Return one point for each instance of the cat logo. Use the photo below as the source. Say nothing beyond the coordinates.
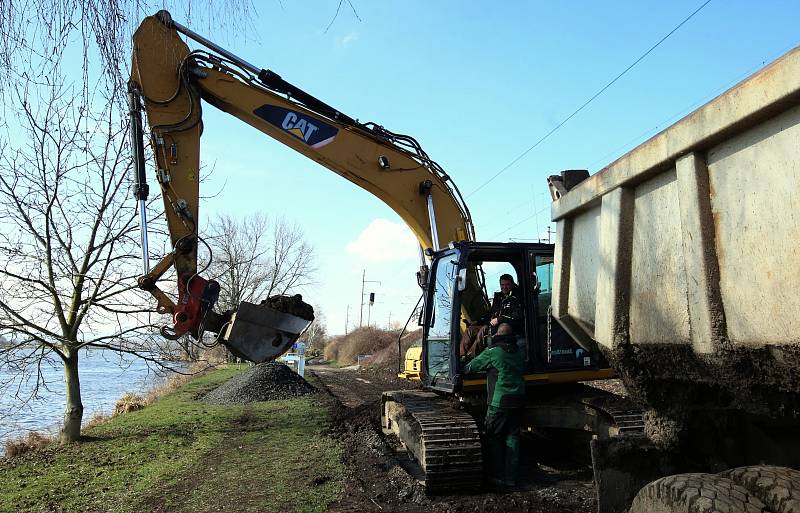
(311, 131)
(298, 127)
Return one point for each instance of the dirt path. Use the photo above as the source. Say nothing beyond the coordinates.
(378, 481)
(355, 387)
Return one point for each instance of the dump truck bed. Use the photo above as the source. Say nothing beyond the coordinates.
(682, 258)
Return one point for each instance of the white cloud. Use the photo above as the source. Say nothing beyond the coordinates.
(347, 40)
(384, 241)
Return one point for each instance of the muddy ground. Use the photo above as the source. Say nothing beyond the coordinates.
(379, 475)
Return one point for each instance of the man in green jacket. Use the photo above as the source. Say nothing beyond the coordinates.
(504, 364)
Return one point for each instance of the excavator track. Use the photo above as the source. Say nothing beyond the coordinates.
(444, 441)
(627, 418)
(629, 421)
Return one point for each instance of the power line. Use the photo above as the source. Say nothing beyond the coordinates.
(690, 108)
(527, 202)
(590, 100)
(535, 214)
(520, 222)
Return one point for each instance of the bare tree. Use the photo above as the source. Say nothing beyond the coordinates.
(68, 234)
(69, 239)
(336, 14)
(292, 264)
(239, 250)
(254, 258)
(103, 30)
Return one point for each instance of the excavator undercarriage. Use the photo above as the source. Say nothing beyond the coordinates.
(443, 434)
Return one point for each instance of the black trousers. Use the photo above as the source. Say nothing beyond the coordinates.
(502, 441)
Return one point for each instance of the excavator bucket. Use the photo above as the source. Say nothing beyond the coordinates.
(260, 333)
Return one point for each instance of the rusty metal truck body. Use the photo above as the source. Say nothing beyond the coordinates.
(681, 261)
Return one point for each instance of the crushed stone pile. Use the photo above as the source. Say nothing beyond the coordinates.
(292, 305)
(269, 381)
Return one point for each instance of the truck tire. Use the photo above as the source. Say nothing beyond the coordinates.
(695, 493)
(777, 487)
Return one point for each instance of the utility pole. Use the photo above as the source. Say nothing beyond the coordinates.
(361, 315)
(363, 281)
(346, 319)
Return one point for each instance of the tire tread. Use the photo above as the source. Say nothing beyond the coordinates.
(777, 487)
(696, 493)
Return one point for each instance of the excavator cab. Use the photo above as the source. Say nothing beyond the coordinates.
(445, 441)
(461, 283)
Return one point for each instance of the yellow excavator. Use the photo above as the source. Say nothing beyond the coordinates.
(170, 82)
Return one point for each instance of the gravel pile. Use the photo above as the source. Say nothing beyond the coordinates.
(269, 381)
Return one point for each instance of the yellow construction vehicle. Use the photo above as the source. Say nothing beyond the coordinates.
(170, 82)
(412, 364)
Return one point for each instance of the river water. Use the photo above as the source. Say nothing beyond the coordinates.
(105, 376)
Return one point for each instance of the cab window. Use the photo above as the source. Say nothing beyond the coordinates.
(441, 317)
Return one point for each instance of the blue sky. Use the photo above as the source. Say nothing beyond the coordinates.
(476, 83)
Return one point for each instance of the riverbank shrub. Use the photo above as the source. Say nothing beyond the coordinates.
(331, 351)
(379, 343)
(23, 445)
(345, 349)
(386, 357)
(129, 402)
(96, 419)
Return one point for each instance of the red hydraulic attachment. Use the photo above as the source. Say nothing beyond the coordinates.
(196, 296)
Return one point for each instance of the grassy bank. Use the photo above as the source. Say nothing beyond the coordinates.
(186, 456)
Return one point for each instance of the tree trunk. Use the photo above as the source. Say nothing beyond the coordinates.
(73, 413)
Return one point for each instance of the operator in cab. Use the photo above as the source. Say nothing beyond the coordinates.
(504, 364)
(506, 308)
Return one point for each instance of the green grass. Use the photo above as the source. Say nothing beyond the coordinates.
(186, 456)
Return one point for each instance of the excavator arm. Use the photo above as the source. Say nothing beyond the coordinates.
(169, 81)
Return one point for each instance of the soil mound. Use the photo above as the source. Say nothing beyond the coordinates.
(292, 305)
(269, 381)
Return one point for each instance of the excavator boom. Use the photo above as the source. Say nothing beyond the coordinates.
(169, 82)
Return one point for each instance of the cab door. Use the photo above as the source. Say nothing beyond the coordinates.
(555, 348)
(441, 331)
